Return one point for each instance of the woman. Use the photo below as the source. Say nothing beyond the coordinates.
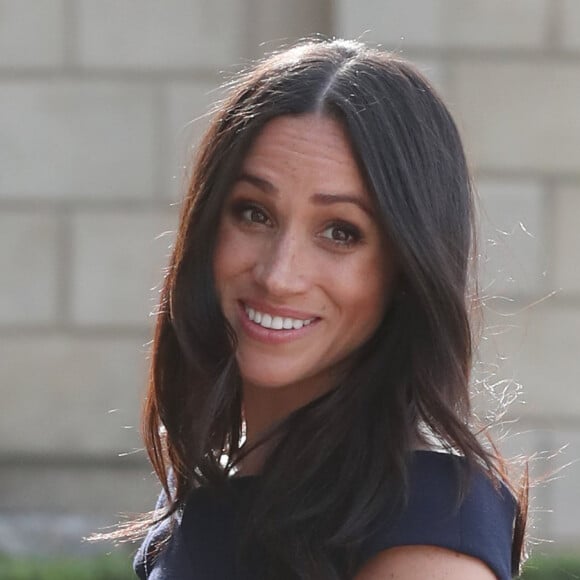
(308, 412)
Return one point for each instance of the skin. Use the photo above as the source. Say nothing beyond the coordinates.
(298, 232)
(413, 562)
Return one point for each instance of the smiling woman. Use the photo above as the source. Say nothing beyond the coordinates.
(300, 263)
(308, 412)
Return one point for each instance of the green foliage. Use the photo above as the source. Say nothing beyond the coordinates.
(556, 567)
(114, 566)
(117, 566)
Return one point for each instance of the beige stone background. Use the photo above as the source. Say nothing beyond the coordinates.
(100, 102)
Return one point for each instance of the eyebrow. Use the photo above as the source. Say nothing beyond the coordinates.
(317, 198)
(331, 198)
(258, 182)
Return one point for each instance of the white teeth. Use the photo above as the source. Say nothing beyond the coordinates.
(276, 322)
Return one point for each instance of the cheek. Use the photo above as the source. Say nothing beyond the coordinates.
(364, 291)
(222, 260)
(234, 254)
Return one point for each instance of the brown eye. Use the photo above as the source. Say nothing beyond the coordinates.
(251, 214)
(342, 234)
(256, 215)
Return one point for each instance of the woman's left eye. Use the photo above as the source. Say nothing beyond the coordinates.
(342, 234)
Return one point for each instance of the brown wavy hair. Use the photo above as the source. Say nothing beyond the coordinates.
(414, 373)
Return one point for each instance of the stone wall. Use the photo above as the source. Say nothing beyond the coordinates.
(100, 103)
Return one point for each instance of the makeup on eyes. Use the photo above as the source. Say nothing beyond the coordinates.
(252, 213)
(352, 232)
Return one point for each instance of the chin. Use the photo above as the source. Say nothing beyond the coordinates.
(267, 380)
(268, 374)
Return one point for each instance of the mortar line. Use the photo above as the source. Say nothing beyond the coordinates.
(88, 204)
(106, 75)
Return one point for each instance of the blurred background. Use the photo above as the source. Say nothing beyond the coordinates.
(101, 104)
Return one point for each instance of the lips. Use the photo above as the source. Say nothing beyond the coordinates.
(274, 325)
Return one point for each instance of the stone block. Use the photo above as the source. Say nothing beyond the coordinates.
(551, 454)
(529, 442)
(527, 445)
(65, 139)
(275, 23)
(571, 24)
(533, 349)
(71, 395)
(565, 521)
(567, 240)
(31, 33)
(519, 116)
(102, 490)
(149, 34)
(401, 24)
(118, 261)
(434, 70)
(392, 22)
(25, 534)
(189, 110)
(512, 243)
(28, 262)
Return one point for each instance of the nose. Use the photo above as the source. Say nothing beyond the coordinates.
(280, 267)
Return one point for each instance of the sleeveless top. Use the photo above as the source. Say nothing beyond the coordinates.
(201, 543)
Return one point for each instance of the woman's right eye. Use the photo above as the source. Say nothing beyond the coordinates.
(252, 213)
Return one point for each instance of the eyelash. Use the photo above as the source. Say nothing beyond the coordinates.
(353, 234)
(240, 208)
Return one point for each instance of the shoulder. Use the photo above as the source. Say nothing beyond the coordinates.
(411, 563)
(478, 526)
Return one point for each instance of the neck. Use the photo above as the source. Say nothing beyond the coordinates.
(264, 408)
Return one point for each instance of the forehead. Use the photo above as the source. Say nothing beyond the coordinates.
(309, 146)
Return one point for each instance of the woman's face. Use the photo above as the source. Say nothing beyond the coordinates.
(301, 268)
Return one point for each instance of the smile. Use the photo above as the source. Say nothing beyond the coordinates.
(275, 322)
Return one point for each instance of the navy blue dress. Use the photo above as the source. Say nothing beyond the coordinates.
(202, 545)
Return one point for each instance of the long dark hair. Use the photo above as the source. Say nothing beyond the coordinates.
(413, 375)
